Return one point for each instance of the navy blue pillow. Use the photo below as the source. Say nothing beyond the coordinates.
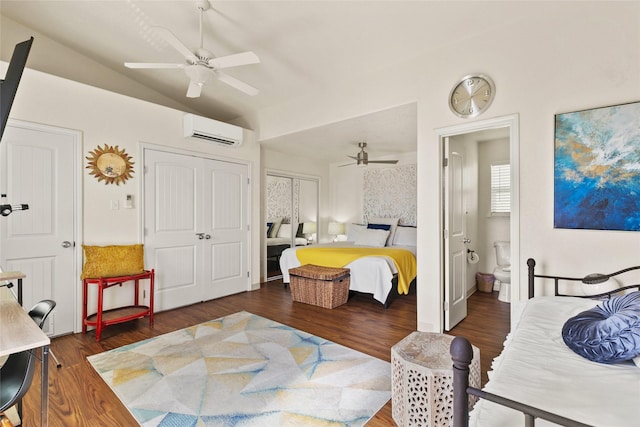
(269, 226)
(379, 226)
(607, 333)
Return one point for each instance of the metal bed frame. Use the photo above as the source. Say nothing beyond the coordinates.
(462, 354)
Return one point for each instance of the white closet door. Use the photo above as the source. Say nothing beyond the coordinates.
(195, 227)
(225, 244)
(171, 199)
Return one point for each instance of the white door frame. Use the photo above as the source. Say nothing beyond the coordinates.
(77, 163)
(511, 122)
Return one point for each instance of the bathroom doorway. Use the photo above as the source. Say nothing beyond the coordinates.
(469, 221)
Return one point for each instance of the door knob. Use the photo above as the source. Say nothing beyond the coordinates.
(466, 240)
(207, 236)
(200, 235)
(67, 244)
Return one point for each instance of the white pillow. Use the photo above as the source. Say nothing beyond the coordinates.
(636, 360)
(353, 230)
(393, 222)
(406, 236)
(275, 227)
(371, 237)
(285, 231)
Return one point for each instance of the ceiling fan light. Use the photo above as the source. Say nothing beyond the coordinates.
(198, 74)
(194, 90)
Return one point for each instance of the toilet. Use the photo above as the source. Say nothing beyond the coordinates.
(502, 272)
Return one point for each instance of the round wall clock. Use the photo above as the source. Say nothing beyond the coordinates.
(110, 164)
(472, 95)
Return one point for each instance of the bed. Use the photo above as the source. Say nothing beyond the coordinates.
(538, 376)
(279, 238)
(277, 245)
(375, 272)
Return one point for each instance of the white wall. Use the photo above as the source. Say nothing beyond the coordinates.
(347, 184)
(346, 193)
(108, 118)
(308, 201)
(558, 57)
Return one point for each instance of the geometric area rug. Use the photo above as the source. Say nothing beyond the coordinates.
(244, 370)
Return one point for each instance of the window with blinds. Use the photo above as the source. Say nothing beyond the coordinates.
(500, 189)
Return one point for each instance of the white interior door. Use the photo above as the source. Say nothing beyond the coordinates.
(225, 251)
(195, 215)
(171, 216)
(455, 239)
(37, 169)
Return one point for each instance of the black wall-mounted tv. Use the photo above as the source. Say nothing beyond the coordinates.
(9, 86)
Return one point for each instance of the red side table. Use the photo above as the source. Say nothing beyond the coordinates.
(104, 318)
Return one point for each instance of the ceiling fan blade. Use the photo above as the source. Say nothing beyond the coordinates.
(348, 164)
(353, 157)
(157, 65)
(235, 60)
(238, 84)
(170, 38)
(388, 162)
(194, 91)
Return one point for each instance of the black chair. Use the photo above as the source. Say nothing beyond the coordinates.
(39, 314)
(15, 378)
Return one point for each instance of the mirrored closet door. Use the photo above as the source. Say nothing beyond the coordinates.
(291, 214)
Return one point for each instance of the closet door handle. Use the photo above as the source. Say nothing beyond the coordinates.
(207, 236)
(200, 236)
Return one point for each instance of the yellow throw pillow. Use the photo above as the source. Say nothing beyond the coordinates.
(112, 261)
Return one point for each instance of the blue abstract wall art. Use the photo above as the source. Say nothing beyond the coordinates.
(597, 169)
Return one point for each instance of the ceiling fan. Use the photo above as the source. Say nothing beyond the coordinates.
(200, 64)
(362, 158)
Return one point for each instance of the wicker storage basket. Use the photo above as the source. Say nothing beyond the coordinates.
(326, 287)
(485, 282)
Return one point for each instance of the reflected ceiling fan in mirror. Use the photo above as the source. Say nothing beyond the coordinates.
(362, 158)
(200, 64)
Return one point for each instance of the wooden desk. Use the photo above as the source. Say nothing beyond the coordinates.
(18, 332)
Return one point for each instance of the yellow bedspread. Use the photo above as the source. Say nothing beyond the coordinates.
(335, 257)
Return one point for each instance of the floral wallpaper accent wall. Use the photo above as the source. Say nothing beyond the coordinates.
(279, 198)
(391, 193)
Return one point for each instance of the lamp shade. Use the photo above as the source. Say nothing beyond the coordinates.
(308, 228)
(336, 228)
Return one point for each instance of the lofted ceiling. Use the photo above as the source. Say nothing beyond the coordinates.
(301, 45)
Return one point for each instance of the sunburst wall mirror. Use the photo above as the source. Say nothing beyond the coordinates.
(110, 164)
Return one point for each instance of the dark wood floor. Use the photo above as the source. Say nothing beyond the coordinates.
(78, 397)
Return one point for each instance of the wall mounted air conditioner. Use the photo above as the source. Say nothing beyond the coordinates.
(212, 130)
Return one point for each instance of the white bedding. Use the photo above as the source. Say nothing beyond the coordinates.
(372, 274)
(275, 241)
(538, 369)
